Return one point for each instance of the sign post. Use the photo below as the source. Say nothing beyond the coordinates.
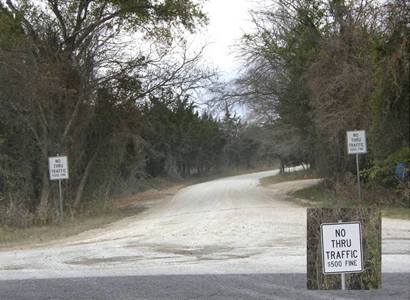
(341, 245)
(58, 169)
(60, 193)
(343, 276)
(359, 190)
(356, 144)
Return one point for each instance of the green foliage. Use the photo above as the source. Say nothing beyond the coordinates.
(179, 141)
(11, 33)
(383, 171)
(390, 101)
(172, 12)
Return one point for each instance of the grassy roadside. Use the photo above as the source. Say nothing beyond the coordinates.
(103, 213)
(322, 196)
(20, 237)
(297, 175)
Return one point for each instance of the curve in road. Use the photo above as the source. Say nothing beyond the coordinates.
(227, 226)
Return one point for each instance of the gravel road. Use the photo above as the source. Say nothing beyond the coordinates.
(227, 226)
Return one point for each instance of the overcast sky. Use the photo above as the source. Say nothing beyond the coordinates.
(228, 20)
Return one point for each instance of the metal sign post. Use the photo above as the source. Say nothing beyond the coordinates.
(58, 169)
(343, 276)
(60, 191)
(358, 177)
(356, 144)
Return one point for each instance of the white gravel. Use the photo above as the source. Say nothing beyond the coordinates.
(225, 226)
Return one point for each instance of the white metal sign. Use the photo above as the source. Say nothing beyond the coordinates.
(341, 248)
(356, 142)
(58, 167)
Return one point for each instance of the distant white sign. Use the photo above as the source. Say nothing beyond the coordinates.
(341, 248)
(356, 142)
(58, 167)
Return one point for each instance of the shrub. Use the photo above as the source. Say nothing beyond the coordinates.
(383, 172)
(16, 215)
(382, 175)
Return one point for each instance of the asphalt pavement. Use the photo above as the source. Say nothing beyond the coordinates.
(244, 286)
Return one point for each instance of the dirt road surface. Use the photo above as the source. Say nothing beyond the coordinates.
(227, 226)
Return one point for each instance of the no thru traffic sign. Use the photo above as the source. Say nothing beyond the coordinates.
(58, 167)
(356, 142)
(341, 248)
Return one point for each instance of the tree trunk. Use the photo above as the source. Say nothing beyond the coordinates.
(84, 178)
(172, 168)
(42, 209)
(282, 166)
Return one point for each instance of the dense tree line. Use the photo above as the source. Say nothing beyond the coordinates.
(69, 86)
(108, 84)
(316, 69)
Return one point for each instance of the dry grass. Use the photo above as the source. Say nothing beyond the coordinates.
(396, 213)
(344, 196)
(21, 237)
(297, 175)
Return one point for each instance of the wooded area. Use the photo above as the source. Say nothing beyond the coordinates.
(110, 84)
(316, 69)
